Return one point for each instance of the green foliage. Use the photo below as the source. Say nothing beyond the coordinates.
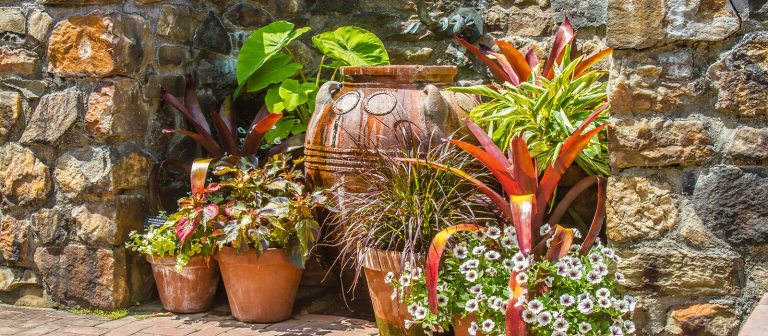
(112, 315)
(352, 46)
(262, 45)
(266, 207)
(545, 112)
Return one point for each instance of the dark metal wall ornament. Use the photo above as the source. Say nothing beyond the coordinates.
(464, 22)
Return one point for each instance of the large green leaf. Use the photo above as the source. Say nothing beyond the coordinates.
(264, 44)
(294, 93)
(274, 70)
(352, 46)
(273, 101)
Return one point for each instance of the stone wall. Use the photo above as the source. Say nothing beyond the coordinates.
(80, 121)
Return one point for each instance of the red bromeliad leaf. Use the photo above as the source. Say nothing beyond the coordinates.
(193, 105)
(516, 60)
(582, 68)
(515, 326)
(507, 67)
(497, 199)
(530, 58)
(206, 141)
(524, 171)
(497, 168)
(575, 191)
(436, 253)
(596, 113)
(257, 133)
(227, 114)
(563, 38)
(572, 146)
(228, 139)
(197, 175)
(495, 68)
(561, 243)
(487, 143)
(200, 127)
(597, 221)
(522, 214)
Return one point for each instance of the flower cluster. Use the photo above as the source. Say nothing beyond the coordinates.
(580, 298)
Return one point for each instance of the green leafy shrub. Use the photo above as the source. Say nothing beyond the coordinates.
(163, 241)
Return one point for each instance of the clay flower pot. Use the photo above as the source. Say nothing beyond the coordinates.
(260, 289)
(190, 291)
(390, 313)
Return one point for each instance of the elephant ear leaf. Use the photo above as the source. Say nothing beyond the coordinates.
(352, 46)
(262, 45)
(274, 70)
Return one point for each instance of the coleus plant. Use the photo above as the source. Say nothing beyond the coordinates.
(522, 203)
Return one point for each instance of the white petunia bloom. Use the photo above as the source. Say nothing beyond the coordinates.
(476, 289)
(595, 258)
(577, 233)
(603, 293)
(616, 331)
(629, 326)
(412, 309)
(471, 275)
(609, 252)
(492, 255)
(416, 273)
(585, 327)
(472, 330)
(493, 232)
(488, 325)
(604, 303)
(600, 267)
(521, 278)
(567, 300)
(508, 264)
(583, 296)
(509, 242)
(544, 229)
(478, 250)
(586, 306)
(574, 274)
(548, 281)
(389, 277)
(405, 280)
(631, 301)
(544, 318)
(561, 268)
(621, 305)
(490, 271)
(420, 313)
(619, 276)
(528, 316)
(471, 305)
(460, 251)
(559, 333)
(471, 263)
(535, 306)
(520, 267)
(442, 300)
(561, 324)
(594, 277)
(408, 324)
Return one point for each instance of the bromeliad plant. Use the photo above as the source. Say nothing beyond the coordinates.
(266, 62)
(543, 103)
(522, 203)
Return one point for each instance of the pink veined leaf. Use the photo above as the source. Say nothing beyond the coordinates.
(434, 255)
(496, 70)
(531, 59)
(210, 211)
(598, 220)
(563, 38)
(522, 215)
(515, 326)
(184, 228)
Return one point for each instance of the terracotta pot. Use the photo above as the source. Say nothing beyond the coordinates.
(368, 110)
(461, 325)
(190, 291)
(390, 314)
(261, 288)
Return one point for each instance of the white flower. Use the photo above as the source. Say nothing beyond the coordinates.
(519, 258)
(508, 242)
(492, 255)
(490, 271)
(600, 267)
(442, 300)
(478, 250)
(405, 280)
(566, 300)
(595, 258)
(509, 230)
(574, 248)
(560, 324)
(476, 289)
(621, 305)
(528, 316)
(460, 251)
(544, 318)
(471, 263)
(408, 324)
(416, 273)
(488, 325)
(389, 277)
(594, 277)
(503, 305)
(471, 275)
(471, 305)
(629, 326)
(585, 306)
(520, 267)
(609, 252)
(493, 232)
(616, 331)
(472, 330)
(584, 327)
(577, 233)
(412, 309)
(583, 296)
(420, 313)
(521, 278)
(603, 293)
(535, 306)
(574, 274)
(559, 333)
(508, 264)
(548, 281)
(562, 268)
(604, 303)
(394, 294)
(619, 276)
(631, 301)
(544, 229)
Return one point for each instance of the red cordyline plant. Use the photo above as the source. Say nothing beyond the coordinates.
(522, 203)
(509, 64)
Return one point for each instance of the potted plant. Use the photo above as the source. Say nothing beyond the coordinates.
(185, 274)
(264, 231)
(387, 228)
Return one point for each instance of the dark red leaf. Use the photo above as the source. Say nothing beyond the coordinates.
(257, 132)
(495, 68)
(516, 60)
(598, 220)
(563, 38)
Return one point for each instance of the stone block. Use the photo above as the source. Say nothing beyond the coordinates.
(740, 77)
(79, 275)
(590, 13)
(634, 24)
(12, 20)
(730, 201)
(640, 208)
(17, 62)
(749, 143)
(702, 319)
(14, 241)
(54, 115)
(115, 111)
(211, 35)
(169, 55)
(81, 2)
(24, 179)
(49, 227)
(658, 142)
(100, 170)
(39, 24)
(108, 222)
(99, 45)
(176, 23)
(10, 108)
(12, 278)
(673, 271)
(247, 15)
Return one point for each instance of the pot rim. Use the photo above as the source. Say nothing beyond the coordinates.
(197, 260)
(401, 73)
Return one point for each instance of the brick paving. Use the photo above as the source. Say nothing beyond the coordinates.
(37, 321)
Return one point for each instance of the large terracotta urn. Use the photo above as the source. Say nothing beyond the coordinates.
(369, 110)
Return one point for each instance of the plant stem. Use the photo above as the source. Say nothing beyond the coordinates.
(319, 70)
(301, 72)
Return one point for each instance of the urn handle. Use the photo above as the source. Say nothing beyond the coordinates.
(435, 107)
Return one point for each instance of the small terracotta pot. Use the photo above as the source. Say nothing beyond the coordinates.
(260, 289)
(190, 291)
(461, 325)
(390, 313)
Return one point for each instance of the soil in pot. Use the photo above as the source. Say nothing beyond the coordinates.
(260, 289)
(190, 291)
(390, 314)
